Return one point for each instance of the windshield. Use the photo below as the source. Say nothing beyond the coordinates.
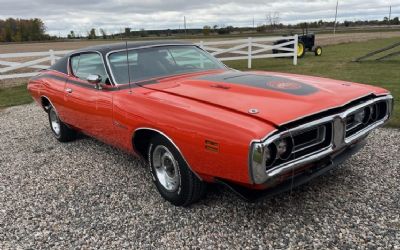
(159, 62)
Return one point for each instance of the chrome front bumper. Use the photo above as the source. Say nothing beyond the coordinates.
(320, 167)
(339, 142)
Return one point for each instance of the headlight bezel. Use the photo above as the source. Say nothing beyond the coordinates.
(259, 165)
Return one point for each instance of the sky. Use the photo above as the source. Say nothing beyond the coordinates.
(114, 15)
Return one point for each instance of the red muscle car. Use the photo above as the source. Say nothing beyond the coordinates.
(197, 121)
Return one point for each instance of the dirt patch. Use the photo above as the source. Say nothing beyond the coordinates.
(32, 47)
(329, 39)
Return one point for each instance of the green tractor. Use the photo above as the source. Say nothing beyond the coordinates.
(306, 43)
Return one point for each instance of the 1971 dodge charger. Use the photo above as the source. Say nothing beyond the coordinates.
(197, 121)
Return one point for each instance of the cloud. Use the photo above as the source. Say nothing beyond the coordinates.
(113, 15)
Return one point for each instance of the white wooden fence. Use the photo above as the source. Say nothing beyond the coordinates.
(252, 48)
(227, 50)
(47, 56)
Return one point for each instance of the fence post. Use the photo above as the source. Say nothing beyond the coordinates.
(52, 57)
(295, 46)
(249, 52)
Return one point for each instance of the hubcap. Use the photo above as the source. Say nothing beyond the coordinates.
(166, 168)
(55, 122)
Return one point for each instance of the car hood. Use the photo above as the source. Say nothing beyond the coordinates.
(277, 98)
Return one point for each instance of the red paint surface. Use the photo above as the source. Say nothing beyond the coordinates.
(190, 111)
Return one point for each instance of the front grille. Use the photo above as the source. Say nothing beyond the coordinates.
(325, 134)
(365, 117)
(312, 140)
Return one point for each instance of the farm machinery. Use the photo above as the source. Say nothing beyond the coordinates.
(306, 43)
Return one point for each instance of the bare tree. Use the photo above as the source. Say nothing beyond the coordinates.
(103, 33)
(273, 19)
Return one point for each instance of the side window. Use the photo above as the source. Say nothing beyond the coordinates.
(119, 66)
(87, 64)
(191, 58)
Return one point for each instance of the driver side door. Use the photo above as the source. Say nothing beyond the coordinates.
(82, 98)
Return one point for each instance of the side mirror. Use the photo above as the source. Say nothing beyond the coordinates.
(94, 79)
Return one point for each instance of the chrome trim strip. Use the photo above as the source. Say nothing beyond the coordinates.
(300, 161)
(342, 142)
(170, 140)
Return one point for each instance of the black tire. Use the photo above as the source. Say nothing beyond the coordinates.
(301, 49)
(63, 133)
(318, 51)
(189, 189)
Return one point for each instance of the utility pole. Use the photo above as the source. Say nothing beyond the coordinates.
(334, 26)
(390, 13)
(253, 22)
(184, 24)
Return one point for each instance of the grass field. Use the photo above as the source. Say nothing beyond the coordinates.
(14, 96)
(336, 63)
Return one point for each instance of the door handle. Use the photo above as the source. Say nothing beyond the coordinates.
(68, 90)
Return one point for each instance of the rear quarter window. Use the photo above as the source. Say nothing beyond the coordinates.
(61, 65)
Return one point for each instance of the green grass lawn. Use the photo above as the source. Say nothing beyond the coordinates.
(336, 62)
(14, 96)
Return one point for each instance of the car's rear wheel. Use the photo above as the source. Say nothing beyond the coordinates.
(174, 180)
(60, 130)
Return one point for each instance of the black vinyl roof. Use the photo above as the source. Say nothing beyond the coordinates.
(61, 64)
(105, 48)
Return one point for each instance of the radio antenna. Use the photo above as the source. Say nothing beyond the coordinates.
(127, 63)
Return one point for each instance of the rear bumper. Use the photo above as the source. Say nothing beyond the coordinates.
(289, 182)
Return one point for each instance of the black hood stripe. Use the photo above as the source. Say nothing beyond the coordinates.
(262, 81)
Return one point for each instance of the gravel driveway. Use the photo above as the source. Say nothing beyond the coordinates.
(86, 194)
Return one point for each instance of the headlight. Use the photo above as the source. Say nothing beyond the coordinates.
(284, 148)
(374, 112)
(360, 116)
(263, 157)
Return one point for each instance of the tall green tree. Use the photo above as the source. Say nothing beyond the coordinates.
(20, 30)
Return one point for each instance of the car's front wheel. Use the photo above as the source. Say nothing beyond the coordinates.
(60, 130)
(174, 180)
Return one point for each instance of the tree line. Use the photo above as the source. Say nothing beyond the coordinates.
(21, 30)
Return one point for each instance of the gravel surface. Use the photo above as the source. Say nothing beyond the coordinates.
(86, 194)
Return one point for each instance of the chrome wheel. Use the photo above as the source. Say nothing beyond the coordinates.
(166, 168)
(55, 122)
